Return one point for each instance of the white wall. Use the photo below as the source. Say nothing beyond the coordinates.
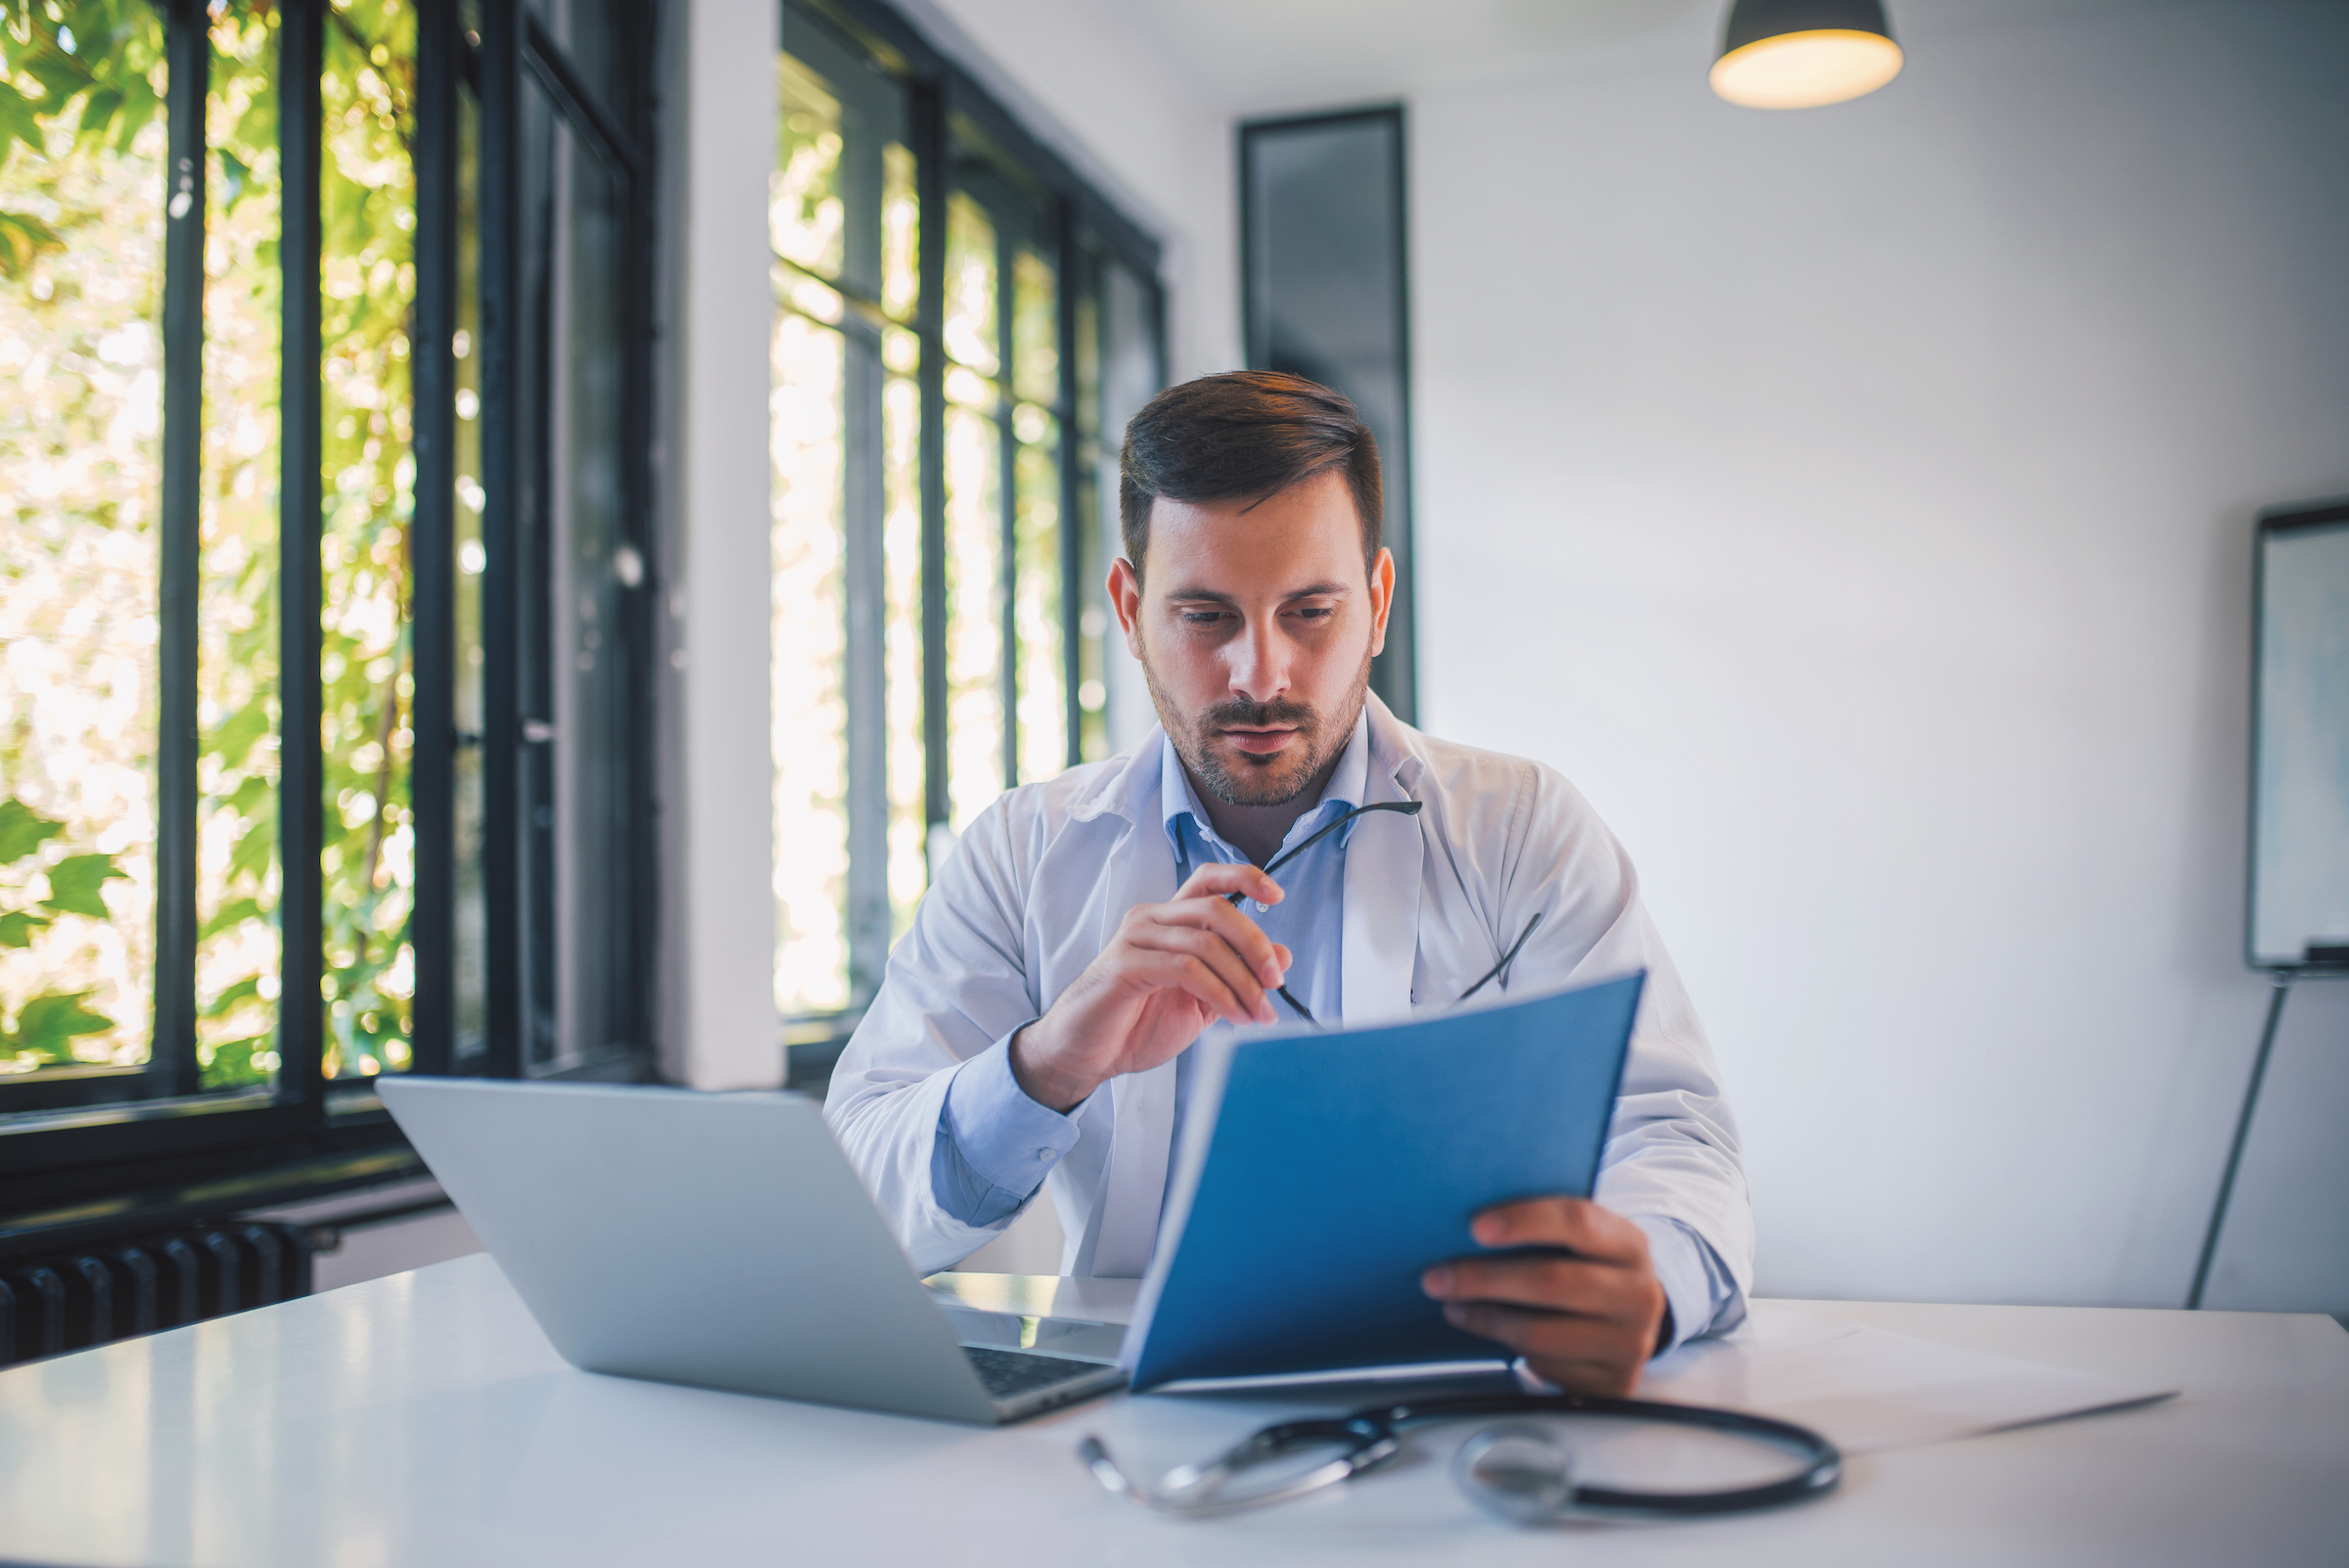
(716, 136)
(1854, 504)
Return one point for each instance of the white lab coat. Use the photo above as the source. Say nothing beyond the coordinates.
(1039, 883)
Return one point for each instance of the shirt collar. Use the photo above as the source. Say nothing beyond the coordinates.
(1346, 787)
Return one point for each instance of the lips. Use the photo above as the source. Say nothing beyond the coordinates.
(1259, 742)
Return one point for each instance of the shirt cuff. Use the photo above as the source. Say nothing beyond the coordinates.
(994, 1144)
(1694, 1282)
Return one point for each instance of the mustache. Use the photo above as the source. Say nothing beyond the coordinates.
(1240, 713)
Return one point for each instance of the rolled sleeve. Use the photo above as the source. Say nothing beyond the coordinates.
(994, 1145)
(1704, 1298)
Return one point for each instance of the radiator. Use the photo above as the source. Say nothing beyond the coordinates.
(70, 1301)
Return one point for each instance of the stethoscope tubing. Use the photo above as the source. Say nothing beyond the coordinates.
(1822, 1468)
(1372, 1438)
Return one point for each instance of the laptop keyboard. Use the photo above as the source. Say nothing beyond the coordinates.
(1008, 1374)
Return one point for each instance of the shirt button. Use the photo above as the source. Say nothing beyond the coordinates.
(1260, 908)
(1043, 1154)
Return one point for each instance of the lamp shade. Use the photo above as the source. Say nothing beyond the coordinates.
(1800, 54)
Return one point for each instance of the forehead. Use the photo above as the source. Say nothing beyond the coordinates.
(1308, 534)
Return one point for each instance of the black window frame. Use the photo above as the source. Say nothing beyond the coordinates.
(1394, 672)
(80, 1158)
(954, 126)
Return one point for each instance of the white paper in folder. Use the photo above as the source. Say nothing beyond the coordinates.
(1870, 1389)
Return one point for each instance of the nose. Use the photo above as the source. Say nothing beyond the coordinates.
(1257, 661)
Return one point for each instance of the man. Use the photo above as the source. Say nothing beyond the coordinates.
(1033, 1027)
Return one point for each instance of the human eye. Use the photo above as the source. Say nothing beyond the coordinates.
(1201, 617)
(1313, 614)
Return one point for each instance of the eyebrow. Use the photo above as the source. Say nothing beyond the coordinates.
(1200, 595)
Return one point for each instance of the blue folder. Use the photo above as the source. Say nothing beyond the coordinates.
(1319, 1173)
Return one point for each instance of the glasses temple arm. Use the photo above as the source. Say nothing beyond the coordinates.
(1506, 958)
(1406, 808)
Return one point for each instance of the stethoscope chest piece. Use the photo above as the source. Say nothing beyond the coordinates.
(1517, 1471)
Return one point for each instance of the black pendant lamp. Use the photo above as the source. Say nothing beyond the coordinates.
(1800, 54)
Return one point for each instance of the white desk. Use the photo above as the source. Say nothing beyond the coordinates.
(422, 1419)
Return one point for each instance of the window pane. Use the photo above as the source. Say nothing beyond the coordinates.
(975, 772)
(583, 799)
(81, 238)
(808, 444)
(1037, 596)
(1092, 619)
(971, 275)
(901, 570)
(900, 234)
(1036, 599)
(1035, 328)
(368, 292)
(472, 559)
(237, 873)
(594, 37)
(805, 212)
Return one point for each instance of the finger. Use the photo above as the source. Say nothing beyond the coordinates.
(1244, 935)
(1177, 971)
(1569, 1285)
(1578, 1225)
(1574, 1353)
(1222, 879)
(1211, 949)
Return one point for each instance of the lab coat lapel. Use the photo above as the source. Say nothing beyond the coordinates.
(1140, 870)
(1383, 860)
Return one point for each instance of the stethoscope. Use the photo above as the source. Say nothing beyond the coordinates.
(1518, 1470)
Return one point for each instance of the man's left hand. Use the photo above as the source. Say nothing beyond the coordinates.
(1586, 1316)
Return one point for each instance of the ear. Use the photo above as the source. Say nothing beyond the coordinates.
(1382, 598)
(1126, 597)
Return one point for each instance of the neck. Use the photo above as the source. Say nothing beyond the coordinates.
(1257, 831)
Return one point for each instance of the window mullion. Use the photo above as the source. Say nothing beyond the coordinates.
(929, 128)
(1073, 525)
(171, 1065)
(1007, 484)
(500, 65)
(433, 781)
(300, 1029)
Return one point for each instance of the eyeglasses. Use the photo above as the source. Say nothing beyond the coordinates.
(1409, 809)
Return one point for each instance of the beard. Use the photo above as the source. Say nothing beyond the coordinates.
(1245, 778)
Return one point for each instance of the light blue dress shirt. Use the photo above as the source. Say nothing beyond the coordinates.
(996, 1145)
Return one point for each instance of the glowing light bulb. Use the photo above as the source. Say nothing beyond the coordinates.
(1804, 54)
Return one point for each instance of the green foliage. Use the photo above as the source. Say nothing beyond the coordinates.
(46, 1027)
(23, 830)
(117, 48)
(74, 881)
(80, 221)
(23, 240)
(367, 222)
(79, 82)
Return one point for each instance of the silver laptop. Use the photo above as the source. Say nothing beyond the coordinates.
(720, 1241)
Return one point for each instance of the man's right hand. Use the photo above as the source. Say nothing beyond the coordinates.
(1171, 970)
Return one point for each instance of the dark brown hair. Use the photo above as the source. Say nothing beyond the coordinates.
(1244, 434)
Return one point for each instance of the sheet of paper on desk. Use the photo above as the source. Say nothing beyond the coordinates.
(1869, 1389)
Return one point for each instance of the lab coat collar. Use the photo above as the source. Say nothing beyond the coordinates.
(1179, 798)
(1382, 878)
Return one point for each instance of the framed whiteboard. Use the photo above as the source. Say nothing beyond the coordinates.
(2299, 903)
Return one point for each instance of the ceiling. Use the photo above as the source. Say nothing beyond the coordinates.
(1262, 55)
